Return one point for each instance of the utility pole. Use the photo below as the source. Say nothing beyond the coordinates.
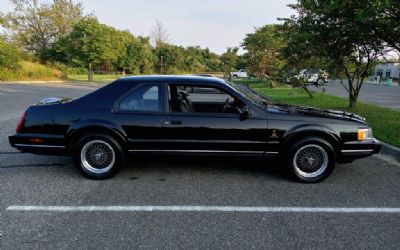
(162, 62)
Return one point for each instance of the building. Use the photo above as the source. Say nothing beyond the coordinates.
(388, 70)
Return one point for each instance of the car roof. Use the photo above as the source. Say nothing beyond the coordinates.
(173, 79)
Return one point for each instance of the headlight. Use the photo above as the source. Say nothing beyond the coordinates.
(364, 134)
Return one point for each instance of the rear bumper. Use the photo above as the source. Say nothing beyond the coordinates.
(355, 150)
(39, 144)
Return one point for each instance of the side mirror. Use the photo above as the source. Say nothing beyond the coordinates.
(245, 113)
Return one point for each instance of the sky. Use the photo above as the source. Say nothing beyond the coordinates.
(216, 24)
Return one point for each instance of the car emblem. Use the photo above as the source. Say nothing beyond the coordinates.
(274, 135)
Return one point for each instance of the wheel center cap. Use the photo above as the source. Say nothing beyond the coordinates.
(310, 160)
(98, 156)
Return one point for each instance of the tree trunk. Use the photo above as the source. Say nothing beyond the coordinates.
(353, 95)
(90, 72)
(271, 83)
(308, 92)
(123, 72)
(352, 100)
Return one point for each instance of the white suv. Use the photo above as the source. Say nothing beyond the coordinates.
(315, 76)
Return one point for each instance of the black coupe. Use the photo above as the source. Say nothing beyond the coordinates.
(190, 115)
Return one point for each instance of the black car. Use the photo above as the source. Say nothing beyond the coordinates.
(190, 115)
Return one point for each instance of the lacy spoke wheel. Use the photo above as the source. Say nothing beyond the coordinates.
(97, 156)
(310, 161)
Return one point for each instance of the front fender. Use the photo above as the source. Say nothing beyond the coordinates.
(320, 130)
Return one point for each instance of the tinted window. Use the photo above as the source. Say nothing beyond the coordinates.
(145, 98)
(201, 99)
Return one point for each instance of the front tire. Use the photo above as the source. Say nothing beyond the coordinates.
(311, 160)
(99, 156)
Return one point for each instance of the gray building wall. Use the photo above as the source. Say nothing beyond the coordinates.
(388, 70)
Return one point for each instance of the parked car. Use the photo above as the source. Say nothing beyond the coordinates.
(190, 115)
(315, 76)
(239, 74)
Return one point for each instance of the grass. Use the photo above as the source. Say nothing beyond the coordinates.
(29, 71)
(385, 122)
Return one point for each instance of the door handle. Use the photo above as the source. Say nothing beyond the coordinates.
(176, 122)
(173, 122)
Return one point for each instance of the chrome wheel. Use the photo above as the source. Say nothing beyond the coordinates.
(310, 161)
(97, 156)
(320, 82)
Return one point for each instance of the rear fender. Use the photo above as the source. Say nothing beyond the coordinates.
(82, 128)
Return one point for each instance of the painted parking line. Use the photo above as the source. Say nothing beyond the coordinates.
(376, 210)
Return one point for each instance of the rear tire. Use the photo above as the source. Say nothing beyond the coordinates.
(311, 160)
(320, 82)
(99, 156)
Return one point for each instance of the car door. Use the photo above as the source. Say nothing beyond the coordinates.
(140, 114)
(213, 132)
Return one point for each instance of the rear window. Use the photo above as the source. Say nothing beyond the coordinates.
(144, 99)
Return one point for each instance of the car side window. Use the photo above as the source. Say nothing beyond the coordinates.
(202, 99)
(145, 98)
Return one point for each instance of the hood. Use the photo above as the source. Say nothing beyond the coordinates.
(315, 112)
(54, 100)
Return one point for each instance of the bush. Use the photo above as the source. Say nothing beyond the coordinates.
(67, 70)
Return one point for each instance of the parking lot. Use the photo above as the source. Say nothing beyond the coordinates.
(381, 95)
(163, 203)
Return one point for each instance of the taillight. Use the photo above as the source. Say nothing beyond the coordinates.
(20, 123)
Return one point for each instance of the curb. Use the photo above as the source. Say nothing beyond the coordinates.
(393, 151)
(257, 93)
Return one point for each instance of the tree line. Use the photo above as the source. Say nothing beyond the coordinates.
(60, 32)
(344, 37)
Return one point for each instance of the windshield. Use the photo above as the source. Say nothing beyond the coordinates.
(245, 91)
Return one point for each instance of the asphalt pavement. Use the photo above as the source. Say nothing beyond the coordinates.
(164, 203)
(381, 95)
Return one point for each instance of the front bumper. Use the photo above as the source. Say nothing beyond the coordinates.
(355, 150)
(43, 144)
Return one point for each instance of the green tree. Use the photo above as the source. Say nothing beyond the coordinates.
(36, 26)
(136, 55)
(169, 59)
(197, 60)
(334, 31)
(91, 43)
(229, 60)
(147, 58)
(9, 55)
(382, 18)
(262, 48)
